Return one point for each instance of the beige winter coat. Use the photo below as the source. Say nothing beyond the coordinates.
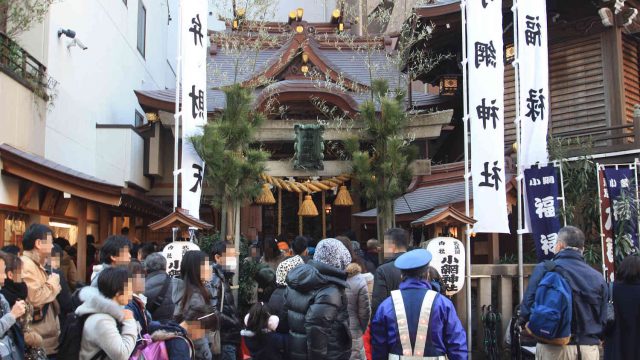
(43, 290)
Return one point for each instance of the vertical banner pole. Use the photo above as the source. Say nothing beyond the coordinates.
(635, 172)
(467, 175)
(176, 116)
(564, 208)
(176, 121)
(604, 267)
(519, 176)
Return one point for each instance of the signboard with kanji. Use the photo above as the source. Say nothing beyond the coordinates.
(449, 259)
(173, 253)
(309, 147)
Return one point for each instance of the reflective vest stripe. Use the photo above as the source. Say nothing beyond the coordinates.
(403, 325)
(423, 323)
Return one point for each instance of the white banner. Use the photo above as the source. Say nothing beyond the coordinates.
(486, 114)
(533, 63)
(194, 41)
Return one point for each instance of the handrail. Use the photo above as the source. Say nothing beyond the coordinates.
(22, 66)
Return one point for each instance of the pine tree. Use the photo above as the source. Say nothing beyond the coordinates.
(233, 166)
(380, 162)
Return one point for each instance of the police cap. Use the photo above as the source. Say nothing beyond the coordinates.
(413, 259)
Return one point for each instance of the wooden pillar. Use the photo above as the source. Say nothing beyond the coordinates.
(460, 301)
(612, 61)
(279, 212)
(82, 239)
(2, 217)
(105, 225)
(324, 217)
(355, 195)
(132, 228)
(300, 218)
(506, 302)
(484, 298)
(494, 248)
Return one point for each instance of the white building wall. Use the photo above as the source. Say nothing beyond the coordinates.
(95, 86)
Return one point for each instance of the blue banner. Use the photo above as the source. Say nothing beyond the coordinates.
(621, 181)
(541, 185)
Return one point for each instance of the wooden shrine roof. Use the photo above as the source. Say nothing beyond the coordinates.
(443, 214)
(179, 218)
(330, 61)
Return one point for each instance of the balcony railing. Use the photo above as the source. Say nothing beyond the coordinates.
(22, 67)
(613, 138)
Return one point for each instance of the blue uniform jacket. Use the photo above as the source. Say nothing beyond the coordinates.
(446, 335)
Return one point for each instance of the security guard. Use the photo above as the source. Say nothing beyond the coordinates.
(416, 322)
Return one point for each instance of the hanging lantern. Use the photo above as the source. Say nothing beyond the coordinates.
(448, 84)
(265, 197)
(343, 198)
(308, 208)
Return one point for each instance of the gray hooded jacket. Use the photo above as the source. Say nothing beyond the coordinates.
(100, 330)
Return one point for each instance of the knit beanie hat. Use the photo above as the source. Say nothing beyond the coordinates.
(284, 268)
(332, 252)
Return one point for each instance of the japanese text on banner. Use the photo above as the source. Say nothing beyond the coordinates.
(622, 195)
(486, 114)
(606, 228)
(533, 63)
(194, 42)
(541, 185)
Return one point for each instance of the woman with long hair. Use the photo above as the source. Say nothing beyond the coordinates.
(190, 292)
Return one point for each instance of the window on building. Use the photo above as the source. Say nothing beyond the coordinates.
(139, 119)
(142, 27)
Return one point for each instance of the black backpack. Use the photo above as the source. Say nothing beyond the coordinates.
(71, 337)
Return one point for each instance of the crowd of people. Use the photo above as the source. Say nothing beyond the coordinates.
(315, 300)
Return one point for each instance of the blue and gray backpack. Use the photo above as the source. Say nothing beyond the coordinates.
(551, 313)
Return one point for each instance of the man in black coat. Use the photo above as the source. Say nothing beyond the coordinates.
(387, 277)
(223, 255)
(316, 305)
(158, 288)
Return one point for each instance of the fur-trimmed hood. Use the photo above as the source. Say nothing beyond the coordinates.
(93, 302)
(353, 269)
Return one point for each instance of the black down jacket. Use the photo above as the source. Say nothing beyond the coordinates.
(316, 307)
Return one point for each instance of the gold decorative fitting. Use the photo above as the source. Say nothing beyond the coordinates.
(299, 29)
(266, 196)
(305, 58)
(304, 69)
(308, 207)
(343, 198)
(152, 116)
(299, 13)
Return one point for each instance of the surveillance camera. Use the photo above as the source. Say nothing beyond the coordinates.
(68, 33)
